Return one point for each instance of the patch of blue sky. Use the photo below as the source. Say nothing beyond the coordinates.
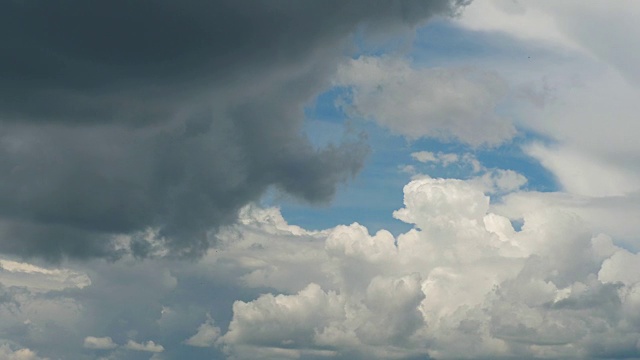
(376, 192)
(510, 156)
(442, 43)
(327, 108)
(371, 197)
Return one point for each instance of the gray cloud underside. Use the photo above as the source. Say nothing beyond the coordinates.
(120, 116)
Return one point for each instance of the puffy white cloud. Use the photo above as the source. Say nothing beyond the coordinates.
(431, 201)
(427, 102)
(463, 284)
(313, 320)
(100, 343)
(149, 346)
(206, 335)
(623, 267)
(264, 250)
(284, 319)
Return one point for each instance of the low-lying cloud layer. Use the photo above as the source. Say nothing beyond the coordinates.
(463, 283)
(121, 117)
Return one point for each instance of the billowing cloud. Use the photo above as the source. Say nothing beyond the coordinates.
(121, 117)
(464, 283)
(446, 103)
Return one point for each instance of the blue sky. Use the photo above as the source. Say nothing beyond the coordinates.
(376, 192)
(258, 180)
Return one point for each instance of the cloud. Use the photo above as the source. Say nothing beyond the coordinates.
(613, 215)
(36, 278)
(149, 346)
(446, 159)
(586, 104)
(489, 181)
(6, 296)
(585, 174)
(99, 343)
(568, 24)
(581, 90)
(306, 322)
(499, 181)
(424, 156)
(445, 103)
(463, 284)
(589, 156)
(7, 353)
(171, 121)
(206, 335)
(517, 18)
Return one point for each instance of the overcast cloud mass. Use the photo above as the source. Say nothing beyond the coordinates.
(119, 117)
(168, 168)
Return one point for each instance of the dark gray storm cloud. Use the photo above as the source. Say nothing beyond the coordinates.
(120, 116)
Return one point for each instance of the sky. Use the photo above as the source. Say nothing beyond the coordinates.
(340, 179)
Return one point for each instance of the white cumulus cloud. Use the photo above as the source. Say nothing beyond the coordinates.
(462, 284)
(99, 343)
